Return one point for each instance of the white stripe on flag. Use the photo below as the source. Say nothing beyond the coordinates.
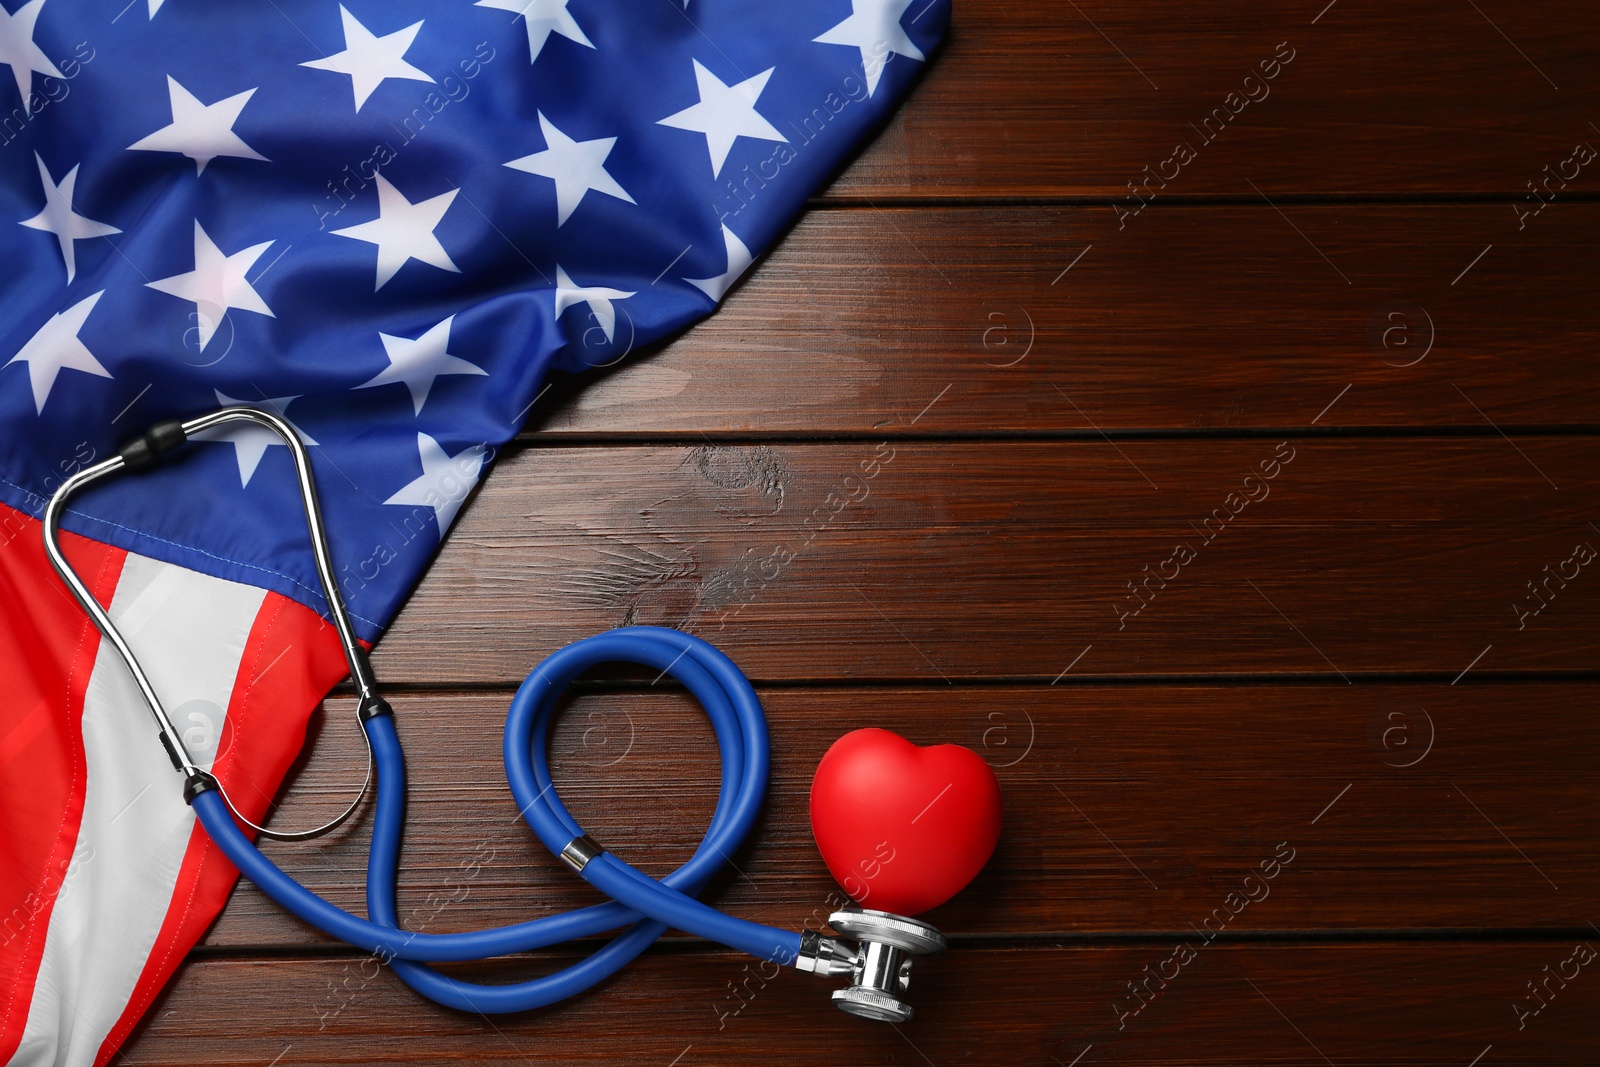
(189, 631)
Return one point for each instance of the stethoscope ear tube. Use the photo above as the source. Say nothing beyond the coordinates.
(143, 453)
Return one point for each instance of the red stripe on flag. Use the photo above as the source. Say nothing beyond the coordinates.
(291, 660)
(47, 651)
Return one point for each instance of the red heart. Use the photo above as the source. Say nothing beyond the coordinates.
(903, 828)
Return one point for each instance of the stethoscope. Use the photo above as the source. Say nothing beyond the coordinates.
(874, 948)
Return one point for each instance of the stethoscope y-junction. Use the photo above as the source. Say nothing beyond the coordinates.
(874, 948)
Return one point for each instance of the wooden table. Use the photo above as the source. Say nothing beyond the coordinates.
(1243, 517)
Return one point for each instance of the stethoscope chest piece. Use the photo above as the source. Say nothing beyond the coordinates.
(879, 966)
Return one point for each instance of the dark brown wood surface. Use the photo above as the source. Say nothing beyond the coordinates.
(911, 475)
(1281, 1003)
(1039, 98)
(1360, 557)
(1190, 317)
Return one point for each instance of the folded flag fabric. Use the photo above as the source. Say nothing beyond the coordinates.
(387, 222)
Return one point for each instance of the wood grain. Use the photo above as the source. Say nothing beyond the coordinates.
(1128, 808)
(942, 562)
(1303, 1003)
(1036, 98)
(1184, 318)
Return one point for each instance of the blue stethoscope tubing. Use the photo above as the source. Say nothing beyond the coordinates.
(645, 906)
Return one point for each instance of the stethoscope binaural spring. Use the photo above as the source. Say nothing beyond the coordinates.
(642, 907)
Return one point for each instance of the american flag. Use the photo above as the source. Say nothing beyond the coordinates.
(388, 222)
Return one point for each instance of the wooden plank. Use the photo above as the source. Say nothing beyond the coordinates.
(1027, 319)
(1128, 808)
(818, 561)
(1034, 98)
(1302, 1003)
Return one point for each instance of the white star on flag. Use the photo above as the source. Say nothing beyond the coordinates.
(55, 347)
(370, 60)
(249, 440)
(542, 18)
(403, 231)
(59, 218)
(445, 480)
(575, 167)
(216, 284)
(874, 28)
(739, 261)
(18, 51)
(725, 113)
(200, 131)
(598, 297)
(419, 362)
